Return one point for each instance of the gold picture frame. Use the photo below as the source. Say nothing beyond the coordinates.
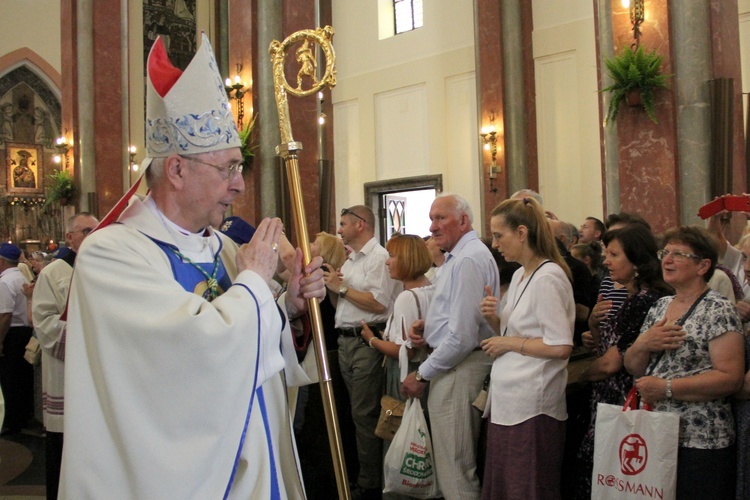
(25, 166)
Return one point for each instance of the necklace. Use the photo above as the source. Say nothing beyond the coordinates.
(213, 285)
(679, 312)
(211, 282)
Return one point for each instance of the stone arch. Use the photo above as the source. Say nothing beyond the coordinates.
(30, 114)
(25, 74)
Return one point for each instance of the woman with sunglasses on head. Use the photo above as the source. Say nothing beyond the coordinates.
(631, 258)
(688, 359)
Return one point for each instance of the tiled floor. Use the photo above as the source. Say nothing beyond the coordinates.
(29, 485)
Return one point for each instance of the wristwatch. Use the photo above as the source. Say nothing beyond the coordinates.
(419, 378)
(669, 388)
(343, 291)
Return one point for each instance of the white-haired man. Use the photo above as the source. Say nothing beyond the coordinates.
(175, 345)
(453, 328)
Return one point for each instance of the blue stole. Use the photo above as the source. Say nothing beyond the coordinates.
(193, 281)
(190, 278)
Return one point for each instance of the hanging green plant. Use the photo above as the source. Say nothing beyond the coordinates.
(247, 141)
(62, 187)
(636, 74)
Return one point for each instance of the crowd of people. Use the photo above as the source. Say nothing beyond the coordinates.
(688, 359)
(659, 322)
(171, 339)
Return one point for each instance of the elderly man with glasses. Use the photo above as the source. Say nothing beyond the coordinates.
(365, 294)
(178, 356)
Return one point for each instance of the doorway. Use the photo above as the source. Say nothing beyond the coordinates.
(402, 205)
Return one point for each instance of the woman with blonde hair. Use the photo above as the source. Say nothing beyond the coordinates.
(408, 261)
(315, 458)
(331, 249)
(526, 403)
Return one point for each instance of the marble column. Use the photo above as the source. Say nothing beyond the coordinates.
(304, 111)
(513, 96)
(69, 83)
(608, 134)
(269, 28)
(505, 81)
(690, 27)
(238, 28)
(106, 173)
(84, 143)
(648, 165)
(725, 63)
(490, 76)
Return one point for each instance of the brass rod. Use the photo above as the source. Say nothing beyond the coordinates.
(288, 150)
(324, 373)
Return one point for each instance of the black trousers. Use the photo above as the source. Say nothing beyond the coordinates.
(53, 456)
(17, 378)
(706, 473)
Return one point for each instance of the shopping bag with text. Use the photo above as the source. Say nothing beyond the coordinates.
(409, 467)
(635, 453)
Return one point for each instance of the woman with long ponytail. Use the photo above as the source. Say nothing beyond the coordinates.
(527, 391)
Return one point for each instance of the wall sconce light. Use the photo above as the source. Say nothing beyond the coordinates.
(131, 153)
(637, 16)
(62, 146)
(236, 90)
(489, 139)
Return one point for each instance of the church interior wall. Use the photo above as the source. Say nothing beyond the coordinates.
(570, 173)
(30, 118)
(744, 18)
(406, 105)
(35, 25)
(408, 102)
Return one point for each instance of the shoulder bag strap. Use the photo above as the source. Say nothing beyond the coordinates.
(505, 331)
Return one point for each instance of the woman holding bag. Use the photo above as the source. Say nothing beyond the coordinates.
(688, 359)
(631, 259)
(527, 389)
(408, 261)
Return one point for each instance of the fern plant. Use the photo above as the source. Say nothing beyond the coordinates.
(62, 187)
(247, 141)
(634, 71)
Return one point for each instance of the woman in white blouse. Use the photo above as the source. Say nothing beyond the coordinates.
(527, 390)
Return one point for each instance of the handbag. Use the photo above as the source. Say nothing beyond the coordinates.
(408, 465)
(635, 452)
(33, 352)
(391, 414)
(480, 403)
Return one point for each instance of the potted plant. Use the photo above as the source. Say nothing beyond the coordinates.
(62, 187)
(247, 141)
(636, 75)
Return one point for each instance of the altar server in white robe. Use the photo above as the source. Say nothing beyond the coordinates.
(177, 354)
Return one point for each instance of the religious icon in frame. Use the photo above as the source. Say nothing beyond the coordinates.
(25, 166)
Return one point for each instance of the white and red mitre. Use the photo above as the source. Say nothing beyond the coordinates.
(187, 112)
